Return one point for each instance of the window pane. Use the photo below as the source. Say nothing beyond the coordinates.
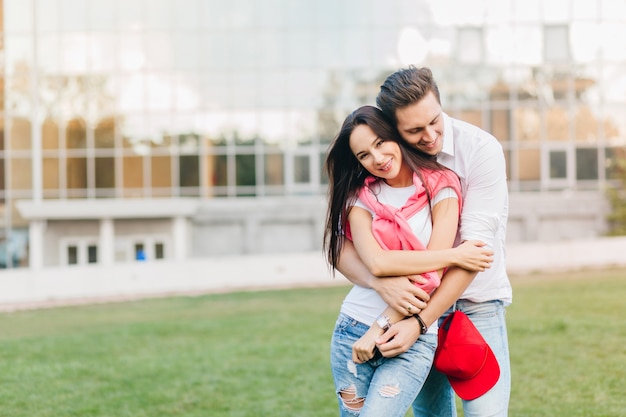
(471, 116)
(2, 180)
(556, 43)
(76, 134)
(557, 120)
(470, 45)
(104, 134)
(92, 254)
(76, 173)
(189, 171)
(105, 173)
(132, 167)
(615, 162)
(500, 124)
(324, 179)
(245, 165)
(20, 133)
(527, 124)
(529, 164)
(301, 169)
(159, 251)
(274, 173)
(72, 255)
(21, 168)
(50, 173)
(219, 175)
(161, 171)
(587, 164)
(50, 134)
(140, 253)
(558, 164)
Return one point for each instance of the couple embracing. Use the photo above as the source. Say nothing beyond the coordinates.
(417, 215)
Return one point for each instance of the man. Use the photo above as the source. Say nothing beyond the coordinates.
(410, 97)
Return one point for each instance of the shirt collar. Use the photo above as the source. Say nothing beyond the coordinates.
(448, 136)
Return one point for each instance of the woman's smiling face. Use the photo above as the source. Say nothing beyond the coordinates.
(380, 157)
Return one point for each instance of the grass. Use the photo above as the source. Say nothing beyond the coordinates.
(266, 353)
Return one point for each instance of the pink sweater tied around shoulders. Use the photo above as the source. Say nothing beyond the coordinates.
(389, 224)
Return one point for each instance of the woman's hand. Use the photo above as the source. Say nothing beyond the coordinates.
(363, 349)
(473, 256)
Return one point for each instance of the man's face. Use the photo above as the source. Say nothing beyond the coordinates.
(421, 124)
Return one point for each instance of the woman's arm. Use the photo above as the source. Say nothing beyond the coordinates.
(382, 262)
(445, 221)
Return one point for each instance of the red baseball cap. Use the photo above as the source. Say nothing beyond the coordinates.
(465, 358)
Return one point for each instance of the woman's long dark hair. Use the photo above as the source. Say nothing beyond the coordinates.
(346, 174)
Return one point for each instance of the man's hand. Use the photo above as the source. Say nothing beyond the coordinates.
(398, 338)
(400, 293)
(363, 349)
(473, 255)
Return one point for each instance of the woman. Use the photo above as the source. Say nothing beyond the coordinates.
(387, 198)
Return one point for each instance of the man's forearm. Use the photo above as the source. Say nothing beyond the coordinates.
(351, 267)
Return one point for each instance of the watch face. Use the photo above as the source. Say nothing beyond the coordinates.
(383, 322)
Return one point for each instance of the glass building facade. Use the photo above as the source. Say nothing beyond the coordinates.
(142, 99)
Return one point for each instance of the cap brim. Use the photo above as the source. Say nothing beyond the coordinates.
(483, 381)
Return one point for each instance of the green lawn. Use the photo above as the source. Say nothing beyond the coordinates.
(266, 353)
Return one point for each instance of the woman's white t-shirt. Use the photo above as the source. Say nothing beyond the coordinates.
(364, 304)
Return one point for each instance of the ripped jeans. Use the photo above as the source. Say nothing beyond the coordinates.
(381, 386)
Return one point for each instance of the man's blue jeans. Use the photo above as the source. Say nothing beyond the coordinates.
(437, 399)
(381, 386)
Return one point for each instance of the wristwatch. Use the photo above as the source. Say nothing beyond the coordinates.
(383, 322)
(423, 327)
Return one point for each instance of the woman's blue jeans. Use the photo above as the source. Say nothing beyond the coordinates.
(381, 386)
(436, 399)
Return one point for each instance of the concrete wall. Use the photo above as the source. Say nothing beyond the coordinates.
(288, 225)
(258, 226)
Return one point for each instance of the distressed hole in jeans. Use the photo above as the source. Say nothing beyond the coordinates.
(389, 391)
(350, 400)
